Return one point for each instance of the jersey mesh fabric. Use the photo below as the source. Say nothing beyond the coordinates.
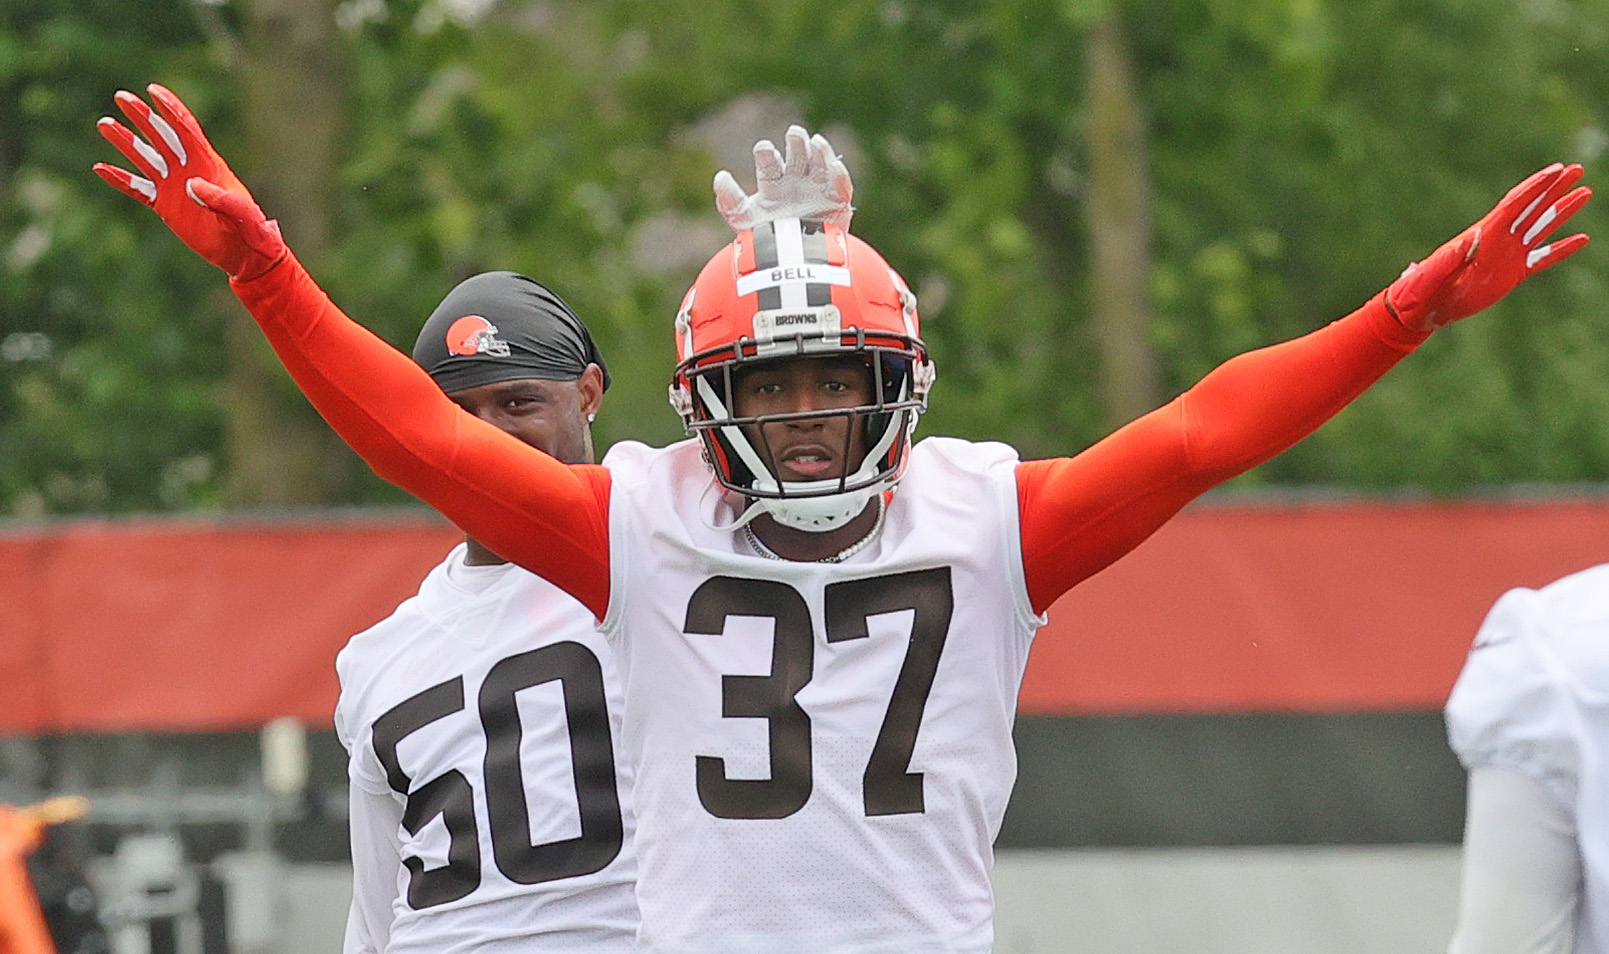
(833, 874)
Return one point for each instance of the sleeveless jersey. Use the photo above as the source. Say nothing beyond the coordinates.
(824, 751)
(1533, 698)
(487, 779)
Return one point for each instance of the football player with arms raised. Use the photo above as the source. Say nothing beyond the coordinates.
(821, 625)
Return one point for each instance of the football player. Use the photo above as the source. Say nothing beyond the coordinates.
(821, 625)
(1528, 721)
(490, 800)
(547, 865)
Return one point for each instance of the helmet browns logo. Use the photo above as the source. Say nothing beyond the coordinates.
(472, 335)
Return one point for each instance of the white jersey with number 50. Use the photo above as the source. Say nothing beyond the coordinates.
(491, 805)
(823, 751)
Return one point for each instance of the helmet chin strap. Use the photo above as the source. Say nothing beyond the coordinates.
(749, 513)
(817, 514)
(811, 514)
(804, 507)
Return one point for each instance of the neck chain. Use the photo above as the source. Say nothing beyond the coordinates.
(839, 557)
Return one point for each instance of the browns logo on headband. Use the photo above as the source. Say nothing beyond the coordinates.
(472, 335)
(502, 326)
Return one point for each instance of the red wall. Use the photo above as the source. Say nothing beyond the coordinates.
(192, 625)
(1318, 608)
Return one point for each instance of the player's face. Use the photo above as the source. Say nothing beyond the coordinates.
(551, 416)
(812, 448)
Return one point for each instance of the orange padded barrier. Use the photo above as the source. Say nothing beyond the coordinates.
(190, 625)
(1323, 607)
(193, 625)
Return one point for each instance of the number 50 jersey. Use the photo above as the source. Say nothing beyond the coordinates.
(823, 750)
(491, 805)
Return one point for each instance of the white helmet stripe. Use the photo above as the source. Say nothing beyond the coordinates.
(790, 252)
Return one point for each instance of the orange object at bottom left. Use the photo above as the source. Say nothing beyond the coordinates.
(22, 923)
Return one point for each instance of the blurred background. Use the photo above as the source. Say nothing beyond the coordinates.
(1231, 743)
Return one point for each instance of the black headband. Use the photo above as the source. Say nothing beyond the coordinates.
(501, 326)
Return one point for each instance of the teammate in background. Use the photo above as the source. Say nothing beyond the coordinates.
(490, 802)
(822, 627)
(1529, 719)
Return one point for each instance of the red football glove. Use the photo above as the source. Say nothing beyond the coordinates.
(189, 185)
(1484, 263)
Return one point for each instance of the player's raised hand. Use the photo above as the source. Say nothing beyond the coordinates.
(189, 185)
(1485, 261)
(809, 181)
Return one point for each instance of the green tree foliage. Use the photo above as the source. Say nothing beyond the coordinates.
(1345, 140)
(1301, 153)
(105, 400)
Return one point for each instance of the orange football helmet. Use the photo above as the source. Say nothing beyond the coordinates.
(792, 289)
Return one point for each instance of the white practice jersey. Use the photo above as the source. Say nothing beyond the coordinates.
(824, 751)
(1533, 698)
(491, 801)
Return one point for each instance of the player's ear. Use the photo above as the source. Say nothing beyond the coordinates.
(590, 384)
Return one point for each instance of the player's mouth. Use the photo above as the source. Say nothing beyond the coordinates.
(807, 462)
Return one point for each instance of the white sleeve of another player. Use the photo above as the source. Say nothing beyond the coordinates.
(376, 858)
(1509, 708)
(1509, 721)
(1521, 869)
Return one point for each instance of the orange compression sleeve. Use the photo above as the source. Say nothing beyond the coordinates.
(1079, 514)
(548, 517)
